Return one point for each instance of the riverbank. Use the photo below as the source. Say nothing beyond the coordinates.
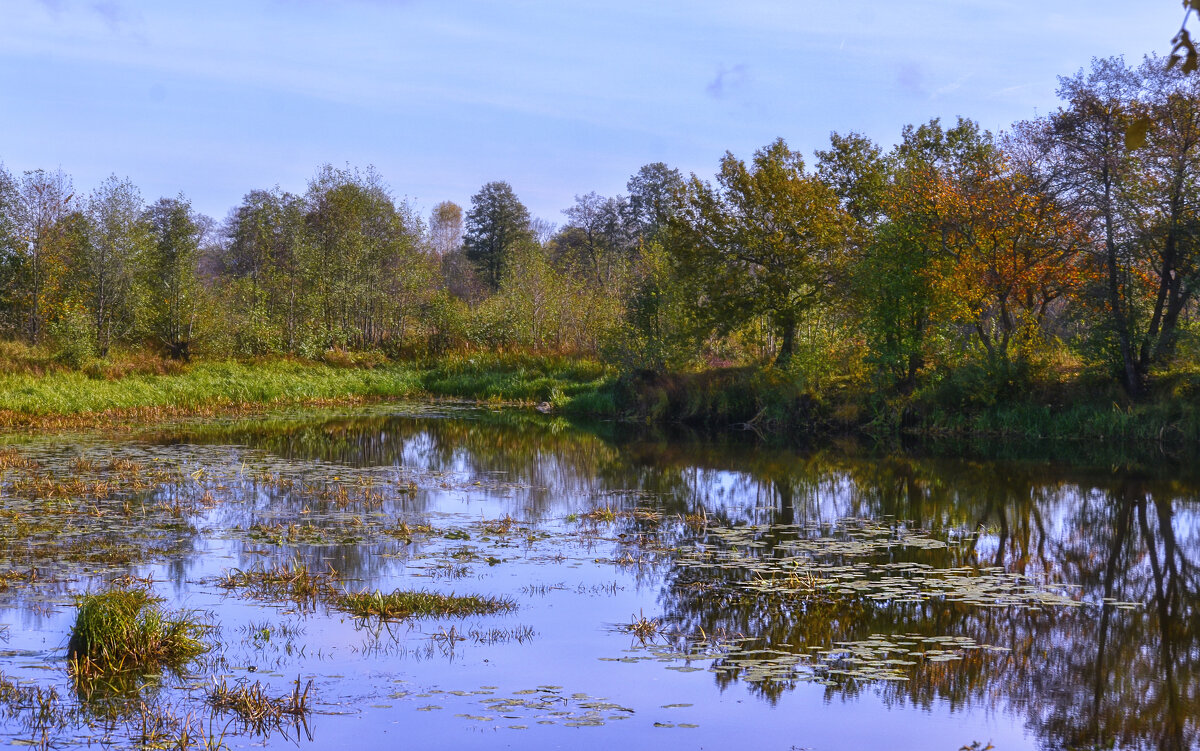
(761, 400)
(69, 398)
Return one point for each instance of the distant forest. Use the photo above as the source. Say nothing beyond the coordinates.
(1070, 241)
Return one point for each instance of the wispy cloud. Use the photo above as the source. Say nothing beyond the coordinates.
(728, 81)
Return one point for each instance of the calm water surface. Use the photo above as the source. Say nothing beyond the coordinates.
(831, 598)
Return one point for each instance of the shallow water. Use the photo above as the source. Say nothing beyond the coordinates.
(823, 599)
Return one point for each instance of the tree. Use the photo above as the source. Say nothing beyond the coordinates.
(268, 256)
(170, 287)
(45, 199)
(365, 247)
(768, 241)
(446, 241)
(446, 228)
(599, 238)
(655, 195)
(497, 224)
(11, 253)
(1140, 203)
(105, 263)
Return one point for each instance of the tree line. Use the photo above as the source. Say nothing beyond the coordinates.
(1072, 239)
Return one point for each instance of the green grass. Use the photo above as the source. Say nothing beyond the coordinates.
(122, 630)
(39, 398)
(403, 604)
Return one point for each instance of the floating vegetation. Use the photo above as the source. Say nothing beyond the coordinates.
(125, 629)
(256, 709)
(877, 658)
(844, 565)
(287, 534)
(643, 627)
(39, 710)
(294, 582)
(403, 604)
(550, 705)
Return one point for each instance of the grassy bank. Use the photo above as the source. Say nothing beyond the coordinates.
(764, 400)
(62, 397)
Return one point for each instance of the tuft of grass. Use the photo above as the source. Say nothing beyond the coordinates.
(643, 627)
(126, 629)
(606, 514)
(256, 709)
(295, 582)
(404, 604)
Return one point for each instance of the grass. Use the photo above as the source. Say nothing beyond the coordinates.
(126, 629)
(405, 604)
(256, 709)
(643, 627)
(295, 582)
(66, 398)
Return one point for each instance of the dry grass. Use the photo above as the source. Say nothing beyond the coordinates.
(643, 627)
(256, 709)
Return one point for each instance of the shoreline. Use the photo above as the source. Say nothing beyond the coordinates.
(747, 400)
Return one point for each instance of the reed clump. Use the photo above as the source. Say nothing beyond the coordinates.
(404, 604)
(127, 629)
(255, 708)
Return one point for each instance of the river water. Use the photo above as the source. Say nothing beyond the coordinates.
(668, 590)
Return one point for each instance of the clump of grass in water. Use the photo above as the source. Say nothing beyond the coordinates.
(125, 629)
(295, 582)
(401, 604)
(643, 627)
(255, 708)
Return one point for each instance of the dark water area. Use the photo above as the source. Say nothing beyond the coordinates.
(678, 590)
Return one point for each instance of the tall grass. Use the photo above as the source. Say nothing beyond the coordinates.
(36, 398)
(126, 629)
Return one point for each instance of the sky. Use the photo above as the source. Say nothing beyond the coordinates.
(562, 97)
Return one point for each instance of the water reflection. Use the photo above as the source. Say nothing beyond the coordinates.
(1105, 674)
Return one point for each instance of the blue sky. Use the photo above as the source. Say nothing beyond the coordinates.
(558, 98)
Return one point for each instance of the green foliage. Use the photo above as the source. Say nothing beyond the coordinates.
(73, 338)
(496, 227)
(659, 331)
(769, 241)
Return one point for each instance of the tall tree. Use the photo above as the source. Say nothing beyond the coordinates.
(497, 224)
(768, 240)
(105, 265)
(170, 287)
(11, 253)
(365, 248)
(446, 228)
(267, 255)
(1140, 202)
(599, 238)
(655, 195)
(46, 198)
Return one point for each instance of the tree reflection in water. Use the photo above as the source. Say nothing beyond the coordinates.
(1095, 676)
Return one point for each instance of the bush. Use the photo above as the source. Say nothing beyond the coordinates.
(73, 337)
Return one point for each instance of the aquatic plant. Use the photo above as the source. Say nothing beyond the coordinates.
(401, 604)
(294, 582)
(255, 708)
(126, 629)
